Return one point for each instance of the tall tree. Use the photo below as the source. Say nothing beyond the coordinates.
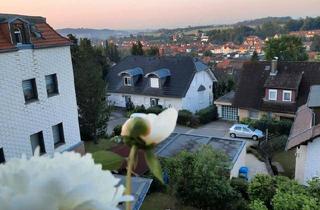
(111, 51)
(315, 46)
(137, 49)
(286, 48)
(88, 65)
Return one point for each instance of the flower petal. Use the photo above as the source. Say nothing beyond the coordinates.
(161, 126)
(135, 127)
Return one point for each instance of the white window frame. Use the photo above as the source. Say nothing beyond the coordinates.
(154, 82)
(155, 100)
(17, 32)
(127, 79)
(284, 92)
(276, 94)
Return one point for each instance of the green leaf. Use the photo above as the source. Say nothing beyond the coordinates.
(153, 164)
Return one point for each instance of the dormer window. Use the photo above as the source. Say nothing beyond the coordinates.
(287, 95)
(273, 94)
(154, 82)
(18, 36)
(127, 81)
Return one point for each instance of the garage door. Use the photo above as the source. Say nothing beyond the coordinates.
(229, 113)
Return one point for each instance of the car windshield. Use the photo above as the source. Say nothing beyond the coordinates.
(251, 128)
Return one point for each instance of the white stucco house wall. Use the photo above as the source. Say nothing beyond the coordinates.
(179, 82)
(38, 104)
(305, 138)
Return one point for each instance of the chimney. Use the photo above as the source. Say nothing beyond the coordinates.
(274, 64)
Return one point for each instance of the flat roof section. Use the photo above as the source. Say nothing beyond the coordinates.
(176, 143)
(139, 187)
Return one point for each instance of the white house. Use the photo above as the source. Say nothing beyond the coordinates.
(38, 103)
(179, 82)
(305, 138)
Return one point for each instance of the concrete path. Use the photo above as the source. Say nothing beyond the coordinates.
(255, 166)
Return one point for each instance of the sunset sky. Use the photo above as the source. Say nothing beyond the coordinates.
(151, 14)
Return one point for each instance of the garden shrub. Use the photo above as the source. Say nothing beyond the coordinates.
(241, 186)
(155, 109)
(278, 127)
(140, 109)
(117, 130)
(275, 144)
(186, 118)
(201, 179)
(208, 114)
(257, 205)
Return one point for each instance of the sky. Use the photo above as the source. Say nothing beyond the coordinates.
(152, 14)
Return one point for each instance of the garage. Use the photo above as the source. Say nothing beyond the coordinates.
(225, 109)
(229, 113)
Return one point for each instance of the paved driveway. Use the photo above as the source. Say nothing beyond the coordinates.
(216, 129)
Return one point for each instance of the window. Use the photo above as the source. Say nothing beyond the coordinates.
(286, 96)
(253, 114)
(127, 81)
(154, 101)
(58, 135)
(29, 90)
(272, 95)
(37, 141)
(154, 82)
(237, 128)
(246, 130)
(2, 159)
(52, 84)
(17, 36)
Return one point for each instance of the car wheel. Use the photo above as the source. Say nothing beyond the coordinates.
(255, 138)
(233, 135)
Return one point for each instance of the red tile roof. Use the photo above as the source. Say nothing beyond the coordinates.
(49, 37)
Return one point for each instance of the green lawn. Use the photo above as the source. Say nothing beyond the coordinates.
(102, 155)
(103, 144)
(108, 160)
(161, 201)
(287, 160)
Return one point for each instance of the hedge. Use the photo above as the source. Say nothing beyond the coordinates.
(186, 118)
(279, 127)
(208, 114)
(154, 109)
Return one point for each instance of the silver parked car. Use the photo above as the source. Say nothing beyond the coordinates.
(246, 131)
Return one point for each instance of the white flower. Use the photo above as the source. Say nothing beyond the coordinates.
(65, 182)
(150, 127)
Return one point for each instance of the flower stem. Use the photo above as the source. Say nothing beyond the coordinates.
(130, 162)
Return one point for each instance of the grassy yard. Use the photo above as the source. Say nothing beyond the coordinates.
(103, 144)
(161, 201)
(287, 160)
(102, 155)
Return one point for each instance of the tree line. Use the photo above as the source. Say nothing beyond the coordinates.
(268, 29)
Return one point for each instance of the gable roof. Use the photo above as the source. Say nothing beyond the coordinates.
(303, 129)
(251, 87)
(182, 70)
(42, 35)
